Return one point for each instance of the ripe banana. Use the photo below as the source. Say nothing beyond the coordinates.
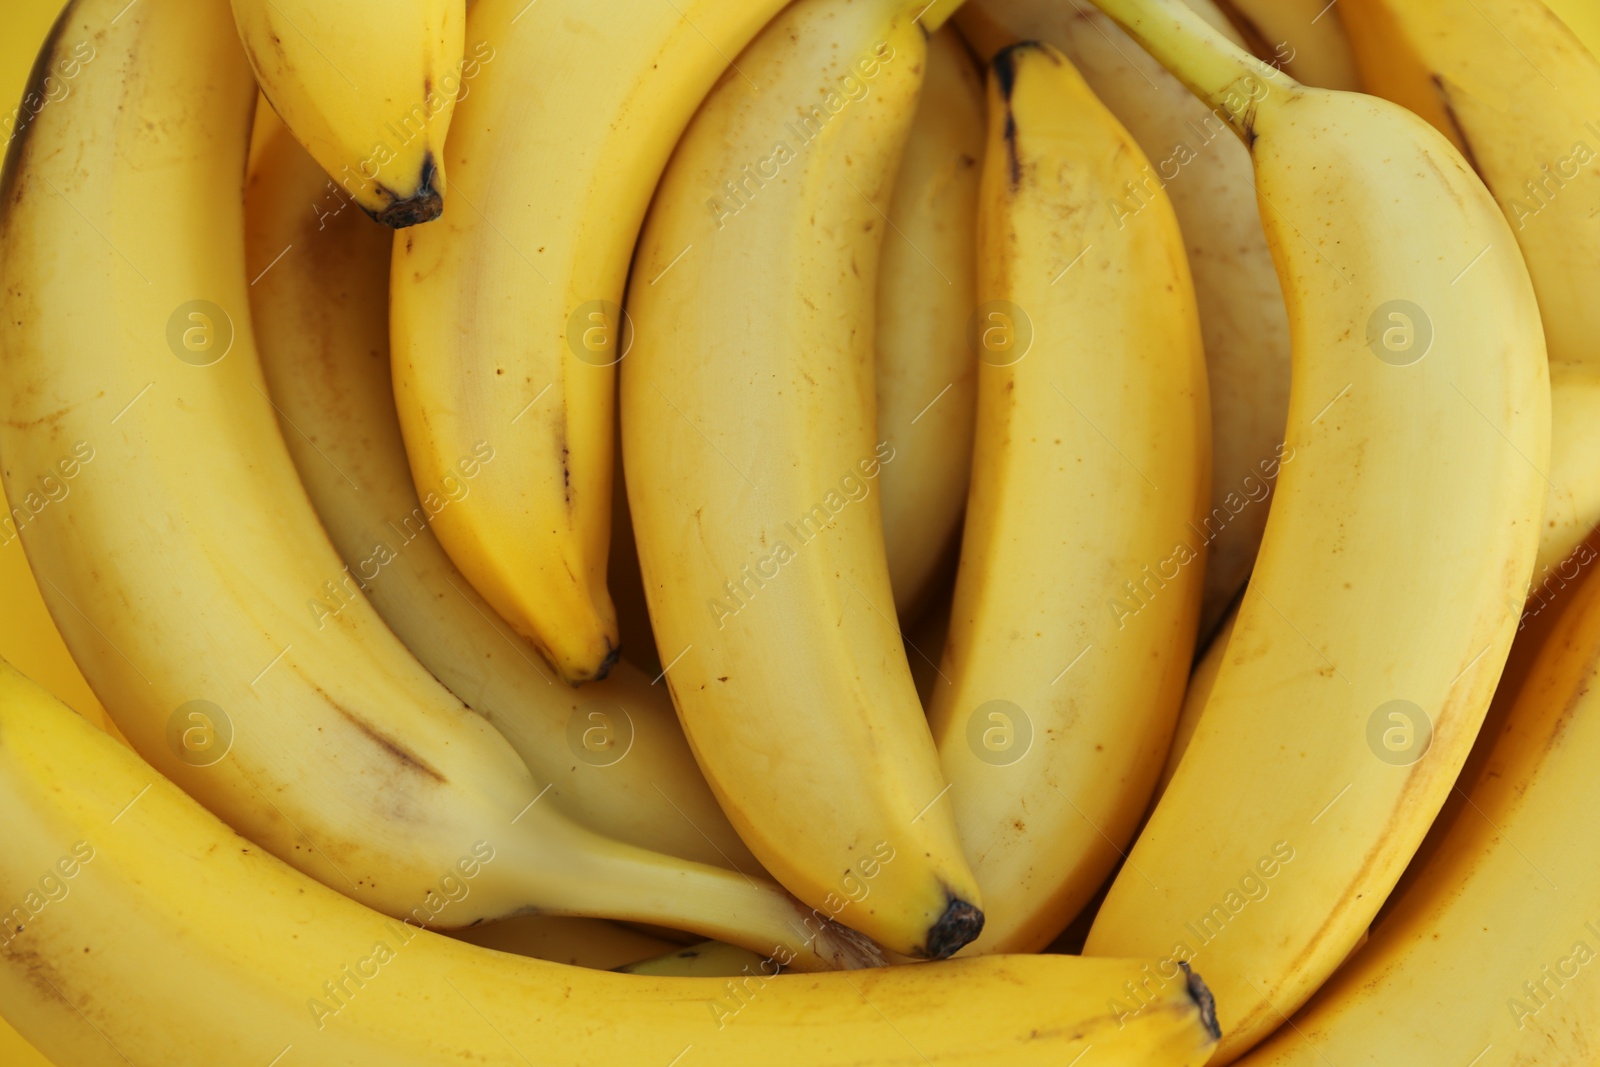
(1531, 132)
(1487, 948)
(1201, 681)
(556, 154)
(1206, 175)
(1303, 37)
(927, 370)
(187, 569)
(1092, 461)
(747, 436)
(368, 86)
(144, 917)
(1395, 560)
(577, 942)
(613, 752)
(708, 959)
(1582, 17)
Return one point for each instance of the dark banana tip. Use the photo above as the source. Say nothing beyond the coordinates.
(610, 661)
(959, 926)
(425, 205)
(1200, 993)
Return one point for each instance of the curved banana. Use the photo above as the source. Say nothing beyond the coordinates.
(187, 569)
(1206, 175)
(202, 950)
(927, 371)
(1303, 37)
(747, 435)
(1074, 616)
(1533, 135)
(1489, 946)
(556, 153)
(368, 86)
(613, 752)
(708, 959)
(1396, 558)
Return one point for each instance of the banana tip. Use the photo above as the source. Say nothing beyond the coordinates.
(1200, 993)
(959, 926)
(425, 205)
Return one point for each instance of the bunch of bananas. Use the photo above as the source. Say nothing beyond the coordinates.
(984, 511)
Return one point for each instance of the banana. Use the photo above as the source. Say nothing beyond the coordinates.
(1583, 17)
(1519, 95)
(577, 942)
(1303, 37)
(187, 569)
(1206, 175)
(613, 753)
(747, 420)
(556, 153)
(368, 87)
(202, 950)
(927, 372)
(1486, 949)
(1201, 681)
(1396, 557)
(708, 959)
(1092, 461)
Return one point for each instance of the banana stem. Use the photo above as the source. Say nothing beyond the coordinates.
(1231, 80)
(635, 885)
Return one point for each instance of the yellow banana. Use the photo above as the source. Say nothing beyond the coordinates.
(555, 154)
(708, 959)
(927, 370)
(1206, 175)
(368, 86)
(1484, 957)
(1395, 560)
(187, 569)
(577, 942)
(1583, 17)
(1201, 681)
(1092, 461)
(1519, 95)
(202, 951)
(747, 435)
(1303, 37)
(612, 752)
